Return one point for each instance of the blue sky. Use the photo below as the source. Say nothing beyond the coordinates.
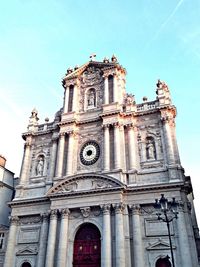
(152, 39)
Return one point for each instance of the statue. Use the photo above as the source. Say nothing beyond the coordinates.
(91, 99)
(40, 167)
(150, 150)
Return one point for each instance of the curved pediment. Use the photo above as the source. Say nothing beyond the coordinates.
(85, 183)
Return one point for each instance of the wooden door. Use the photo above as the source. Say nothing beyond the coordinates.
(87, 247)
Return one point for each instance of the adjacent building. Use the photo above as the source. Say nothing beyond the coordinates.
(89, 180)
(6, 195)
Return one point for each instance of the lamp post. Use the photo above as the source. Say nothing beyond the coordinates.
(164, 208)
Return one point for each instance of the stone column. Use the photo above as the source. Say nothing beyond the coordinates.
(167, 124)
(115, 88)
(26, 163)
(51, 239)
(117, 164)
(132, 148)
(119, 236)
(66, 100)
(106, 238)
(63, 238)
(10, 250)
(183, 239)
(70, 154)
(53, 157)
(106, 148)
(127, 237)
(43, 241)
(106, 92)
(138, 252)
(60, 157)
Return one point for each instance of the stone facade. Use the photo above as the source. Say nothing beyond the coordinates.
(6, 195)
(102, 161)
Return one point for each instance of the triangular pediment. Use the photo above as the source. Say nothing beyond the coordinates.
(85, 183)
(27, 251)
(159, 245)
(73, 73)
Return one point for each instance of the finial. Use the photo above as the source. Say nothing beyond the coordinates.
(69, 70)
(92, 56)
(106, 60)
(114, 58)
(46, 119)
(76, 67)
(145, 99)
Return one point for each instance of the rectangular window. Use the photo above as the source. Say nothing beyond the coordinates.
(1, 240)
(71, 93)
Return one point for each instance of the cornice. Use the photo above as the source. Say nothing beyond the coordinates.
(21, 202)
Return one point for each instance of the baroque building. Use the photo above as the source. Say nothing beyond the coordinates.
(90, 177)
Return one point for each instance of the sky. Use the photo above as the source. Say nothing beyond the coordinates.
(40, 39)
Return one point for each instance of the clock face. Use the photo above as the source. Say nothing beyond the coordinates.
(89, 153)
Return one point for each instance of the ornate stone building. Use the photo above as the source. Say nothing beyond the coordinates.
(89, 180)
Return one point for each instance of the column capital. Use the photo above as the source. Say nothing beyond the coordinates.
(62, 134)
(106, 126)
(119, 207)
(117, 125)
(53, 214)
(135, 209)
(14, 220)
(64, 213)
(44, 216)
(106, 208)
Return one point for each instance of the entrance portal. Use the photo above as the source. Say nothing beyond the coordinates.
(163, 262)
(87, 247)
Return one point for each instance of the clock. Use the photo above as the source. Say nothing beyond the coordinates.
(90, 152)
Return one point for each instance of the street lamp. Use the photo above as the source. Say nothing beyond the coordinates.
(166, 208)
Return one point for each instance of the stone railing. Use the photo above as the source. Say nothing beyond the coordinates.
(44, 127)
(147, 106)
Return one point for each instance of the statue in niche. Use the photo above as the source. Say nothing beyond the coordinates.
(40, 166)
(150, 149)
(91, 98)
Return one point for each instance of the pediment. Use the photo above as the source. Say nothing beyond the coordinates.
(27, 251)
(159, 245)
(85, 183)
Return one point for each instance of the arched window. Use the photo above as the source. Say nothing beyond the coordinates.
(70, 101)
(91, 98)
(164, 262)
(26, 264)
(87, 246)
(110, 88)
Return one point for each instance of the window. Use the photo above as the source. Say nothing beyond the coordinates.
(1, 240)
(110, 88)
(71, 94)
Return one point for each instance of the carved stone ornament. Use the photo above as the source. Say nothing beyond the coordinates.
(85, 183)
(30, 220)
(135, 209)
(65, 212)
(85, 211)
(14, 220)
(106, 208)
(27, 250)
(129, 99)
(119, 207)
(91, 76)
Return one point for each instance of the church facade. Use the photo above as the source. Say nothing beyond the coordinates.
(89, 180)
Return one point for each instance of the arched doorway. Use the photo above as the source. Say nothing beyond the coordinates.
(163, 262)
(87, 247)
(26, 264)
